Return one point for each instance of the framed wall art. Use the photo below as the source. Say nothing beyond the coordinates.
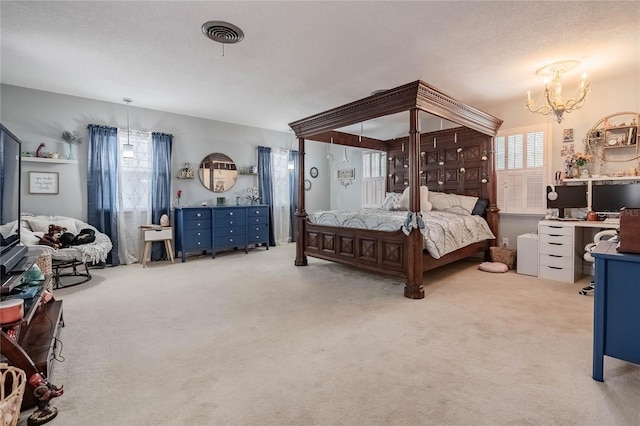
(567, 135)
(346, 176)
(43, 183)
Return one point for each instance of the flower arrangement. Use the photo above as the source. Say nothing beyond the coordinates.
(573, 158)
(178, 195)
(253, 194)
(72, 138)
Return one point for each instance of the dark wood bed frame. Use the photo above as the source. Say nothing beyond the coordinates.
(455, 160)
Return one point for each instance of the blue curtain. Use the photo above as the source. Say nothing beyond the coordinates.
(265, 185)
(293, 193)
(160, 184)
(102, 184)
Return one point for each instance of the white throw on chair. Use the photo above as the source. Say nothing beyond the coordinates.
(606, 234)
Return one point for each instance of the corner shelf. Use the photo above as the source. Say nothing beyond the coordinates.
(49, 160)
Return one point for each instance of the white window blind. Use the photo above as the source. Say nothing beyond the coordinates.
(521, 158)
(373, 178)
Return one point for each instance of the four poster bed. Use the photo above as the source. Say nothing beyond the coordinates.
(455, 161)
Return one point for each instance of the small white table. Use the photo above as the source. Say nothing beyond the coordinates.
(155, 233)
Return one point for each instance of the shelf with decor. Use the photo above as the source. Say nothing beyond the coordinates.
(49, 160)
(605, 179)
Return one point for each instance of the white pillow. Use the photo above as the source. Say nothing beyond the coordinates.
(29, 238)
(9, 228)
(39, 225)
(391, 201)
(452, 203)
(425, 204)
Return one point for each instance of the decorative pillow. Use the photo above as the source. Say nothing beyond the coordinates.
(425, 204)
(493, 267)
(39, 225)
(480, 207)
(29, 238)
(392, 201)
(9, 228)
(452, 203)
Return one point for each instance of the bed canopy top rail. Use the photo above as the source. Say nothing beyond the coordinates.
(417, 94)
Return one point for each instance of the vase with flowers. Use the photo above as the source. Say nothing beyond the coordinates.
(575, 162)
(71, 138)
(178, 196)
(253, 194)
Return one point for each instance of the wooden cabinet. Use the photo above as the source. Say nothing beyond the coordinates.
(31, 344)
(220, 228)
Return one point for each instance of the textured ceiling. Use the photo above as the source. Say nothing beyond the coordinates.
(300, 58)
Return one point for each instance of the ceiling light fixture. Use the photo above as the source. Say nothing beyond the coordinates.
(127, 148)
(222, 32)
(553, 96)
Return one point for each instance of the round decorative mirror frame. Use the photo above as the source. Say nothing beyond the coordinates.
(313, 172)
(217, 172)
(307, 184)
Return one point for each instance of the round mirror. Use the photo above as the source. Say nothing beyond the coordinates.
(218, 172)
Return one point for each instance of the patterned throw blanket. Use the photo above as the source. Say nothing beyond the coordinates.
(443, 232)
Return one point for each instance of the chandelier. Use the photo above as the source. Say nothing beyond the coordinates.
(553, 101)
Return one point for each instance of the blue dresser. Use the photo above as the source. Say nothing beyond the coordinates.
(220, 228)
(616, 328)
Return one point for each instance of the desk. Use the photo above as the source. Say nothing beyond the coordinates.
(616, 319)
(561, 247)
(155, 233)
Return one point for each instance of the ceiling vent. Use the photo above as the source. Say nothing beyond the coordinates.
(222, 32)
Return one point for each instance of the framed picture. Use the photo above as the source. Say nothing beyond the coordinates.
(346, 176)
(567, 135)
(43, 183)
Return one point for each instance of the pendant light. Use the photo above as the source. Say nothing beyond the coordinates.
(127, 148)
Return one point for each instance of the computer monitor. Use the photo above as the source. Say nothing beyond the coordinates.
(568, 197)
(608, 199)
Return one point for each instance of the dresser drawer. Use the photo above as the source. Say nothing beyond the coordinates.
(197, 214)
(258, 211)
(197, 224)
(232, 231)
(260, 220)
(228, 241)
(197, 239)
(556, 239)
(555, 230)
(555, 273)
(565, 262)
(227, 221)
(257, 233)
(229, 213)
(557, 249)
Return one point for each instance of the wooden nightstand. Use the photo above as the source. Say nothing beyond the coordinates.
(152, 233)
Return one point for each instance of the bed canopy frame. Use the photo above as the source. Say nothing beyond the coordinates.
(469, 171)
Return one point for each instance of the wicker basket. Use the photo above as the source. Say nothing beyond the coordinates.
(504, 255)
(44, 263)
(12, 384)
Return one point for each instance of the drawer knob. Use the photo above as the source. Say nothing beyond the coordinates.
(230, 213)
(198, 242)
(257, 211)
(231, 231)
(198, 234)
(230, 240)
(199, 214)
(230, 222)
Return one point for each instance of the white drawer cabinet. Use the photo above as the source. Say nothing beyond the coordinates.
(557, 252)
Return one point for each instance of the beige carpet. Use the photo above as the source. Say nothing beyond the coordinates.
(250, 339)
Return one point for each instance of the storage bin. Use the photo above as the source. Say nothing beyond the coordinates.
(12, 384)
(504, 255)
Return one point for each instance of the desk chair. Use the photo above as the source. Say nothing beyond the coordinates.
(607, 234)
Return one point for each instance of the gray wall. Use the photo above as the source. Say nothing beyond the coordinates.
(40, 117)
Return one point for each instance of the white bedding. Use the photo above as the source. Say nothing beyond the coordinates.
(444, 232)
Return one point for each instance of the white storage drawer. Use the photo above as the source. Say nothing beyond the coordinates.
(556, 239)
(557, 261)
(555, 230)
(557, 249)
(158, 234)
(556, 274)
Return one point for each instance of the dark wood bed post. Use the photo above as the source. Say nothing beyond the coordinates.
(301, 213)
(413, 288)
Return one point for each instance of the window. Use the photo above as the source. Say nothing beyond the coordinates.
(521, 158)
(373, 178)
